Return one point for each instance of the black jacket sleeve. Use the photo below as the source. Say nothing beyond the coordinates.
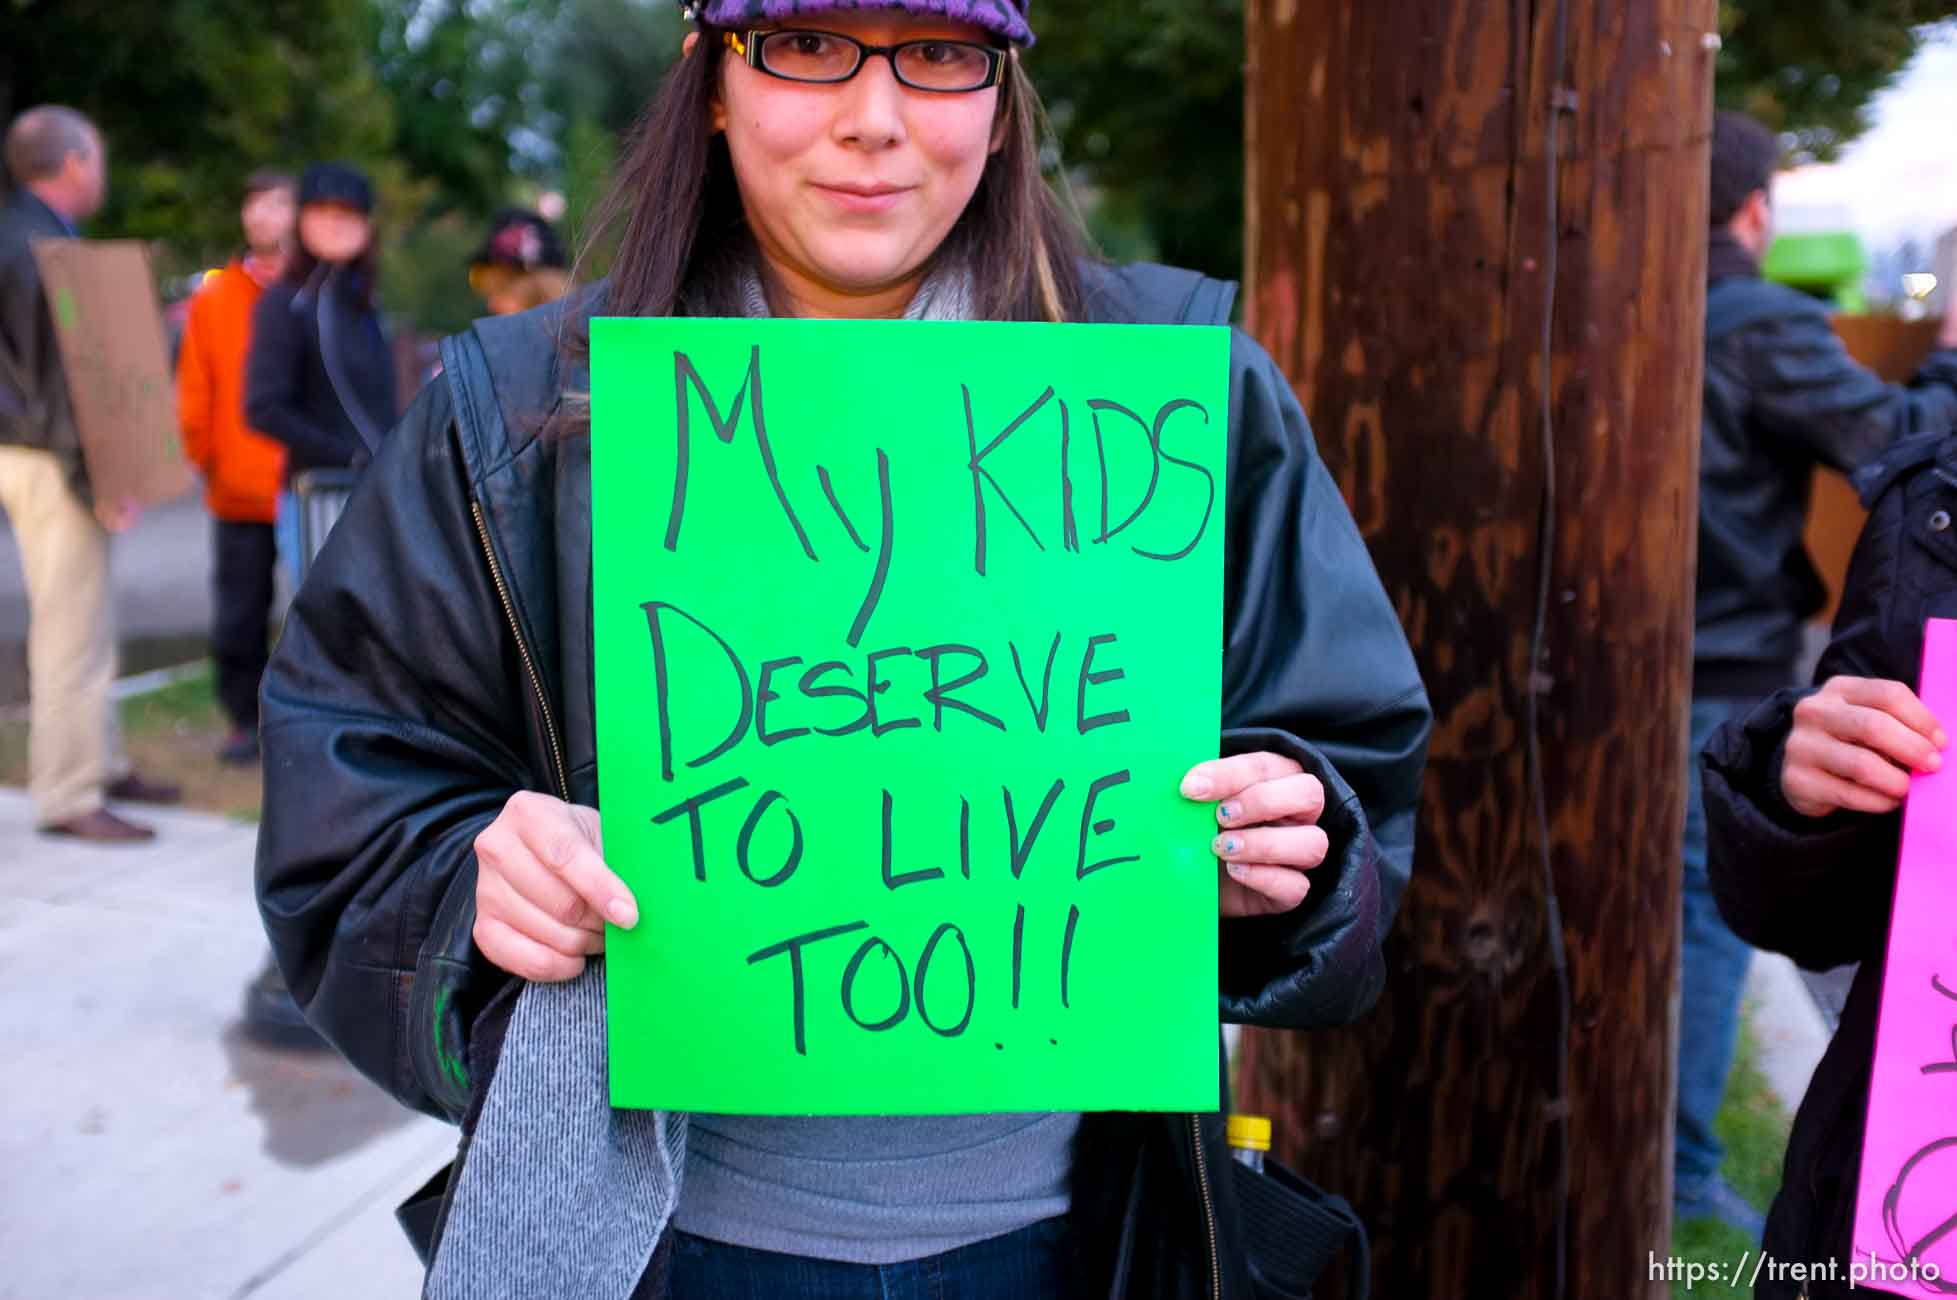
(393, 734)
(1816, 889)
(35, 408)
(1316, 667)
(1808, 389)
(274, 381)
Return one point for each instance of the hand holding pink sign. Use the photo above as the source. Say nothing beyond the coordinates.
(1906, 1207)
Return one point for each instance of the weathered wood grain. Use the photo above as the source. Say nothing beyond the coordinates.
(1397, 193)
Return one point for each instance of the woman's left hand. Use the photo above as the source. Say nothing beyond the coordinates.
(1269, 808)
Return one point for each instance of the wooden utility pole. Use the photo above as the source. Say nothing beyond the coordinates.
(1503, 1120)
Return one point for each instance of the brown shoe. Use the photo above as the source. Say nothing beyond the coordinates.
(134, 789)
(101, 827)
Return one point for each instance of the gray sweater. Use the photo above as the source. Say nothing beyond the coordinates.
(872, 1189)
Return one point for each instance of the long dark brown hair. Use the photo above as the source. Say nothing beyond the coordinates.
(684, 245)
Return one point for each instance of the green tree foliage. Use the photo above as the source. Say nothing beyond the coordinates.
(455, 107)
(497, 101)
(194, 94)
(1147, 96)
(609, 59)
(1810, 67)
(1147, 100)
(426, 273)
(462, 77)
(461, 106)
(590, 162)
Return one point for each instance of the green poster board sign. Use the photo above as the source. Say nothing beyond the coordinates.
(906, 634)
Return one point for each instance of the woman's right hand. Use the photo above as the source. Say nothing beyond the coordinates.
(543, 891)
(1854, 745)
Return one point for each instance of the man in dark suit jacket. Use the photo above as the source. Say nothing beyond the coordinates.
(76, 761)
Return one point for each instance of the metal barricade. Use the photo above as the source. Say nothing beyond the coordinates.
(322, 495)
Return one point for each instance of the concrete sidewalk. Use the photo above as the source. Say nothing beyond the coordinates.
(1787, 1025)
(148, 1149)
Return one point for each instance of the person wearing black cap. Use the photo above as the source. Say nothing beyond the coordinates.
(321, 378)
(520, 265)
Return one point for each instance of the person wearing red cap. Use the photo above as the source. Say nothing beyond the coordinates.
(520, 265)
(430, 868)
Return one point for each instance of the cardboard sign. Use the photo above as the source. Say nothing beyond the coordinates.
(1906, 1205)
(906, 634)
(110, 329)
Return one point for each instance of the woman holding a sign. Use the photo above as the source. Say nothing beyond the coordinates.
(502, 614)
(1804, 813)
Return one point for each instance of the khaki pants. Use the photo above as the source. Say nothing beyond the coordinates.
(75, 741)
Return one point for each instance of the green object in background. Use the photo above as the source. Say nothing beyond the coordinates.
(889, 736)
(1831, 265)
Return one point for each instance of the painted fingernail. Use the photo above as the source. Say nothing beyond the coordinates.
(1196, 787)
(1230, 844)
(1237, 870)
(1228, 812)
(622, 913)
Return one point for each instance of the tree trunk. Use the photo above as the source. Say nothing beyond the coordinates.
(1503, 1120)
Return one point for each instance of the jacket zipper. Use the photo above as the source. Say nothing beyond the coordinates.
(1209, 1206)
(523, 650)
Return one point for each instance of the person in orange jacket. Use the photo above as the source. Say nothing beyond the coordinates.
(243, 469)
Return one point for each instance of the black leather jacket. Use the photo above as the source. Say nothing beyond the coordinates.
(1819, 890)
(1781, 395)
(439, 659)
(34, 407)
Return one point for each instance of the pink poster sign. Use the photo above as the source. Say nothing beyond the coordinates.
(1906, 1206)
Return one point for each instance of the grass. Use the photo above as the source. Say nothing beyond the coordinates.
(1754, 1124)
(172, 734)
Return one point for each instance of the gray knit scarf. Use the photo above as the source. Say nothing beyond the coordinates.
(562, 1197)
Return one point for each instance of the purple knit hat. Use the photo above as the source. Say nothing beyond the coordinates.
(1003, 18)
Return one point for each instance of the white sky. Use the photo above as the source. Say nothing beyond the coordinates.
(1899, 181)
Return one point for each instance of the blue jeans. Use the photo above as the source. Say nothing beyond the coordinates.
(1030, 1264)
(1712, 975)
(285, 533)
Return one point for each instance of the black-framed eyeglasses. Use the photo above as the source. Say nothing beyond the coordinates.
(824, 58)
